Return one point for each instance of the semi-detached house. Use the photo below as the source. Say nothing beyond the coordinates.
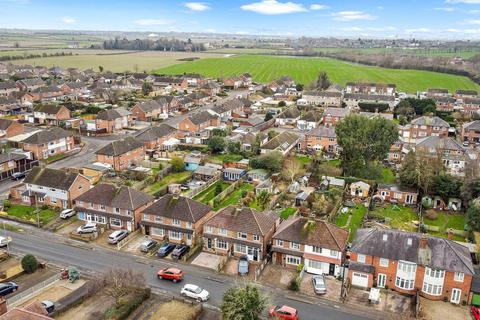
(49, 143)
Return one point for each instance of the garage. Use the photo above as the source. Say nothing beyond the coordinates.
(360, 279)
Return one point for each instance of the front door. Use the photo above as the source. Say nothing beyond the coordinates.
(408, 199)
(331, 269)
(189, 239)
(209, 243)
(381, 280)
(129, 226)
(456, 294)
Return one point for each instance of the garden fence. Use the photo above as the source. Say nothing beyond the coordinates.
(24, 295)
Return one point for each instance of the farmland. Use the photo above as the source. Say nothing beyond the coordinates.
(305, 70)
(116, 61)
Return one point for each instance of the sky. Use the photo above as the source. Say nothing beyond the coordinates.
(427, 19)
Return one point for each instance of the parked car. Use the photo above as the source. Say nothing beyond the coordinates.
(7, 288)
(48, 305)
(465, 143)
(147, 245)
(18, 175)
(3, 241)
(165, 249)
(475, 312)
(173, 274)
(283, 312)
(179, 251)
(67, 213)
(117, 236)
(195, 292)
(89, 227)
(319, 285)
(243, 265)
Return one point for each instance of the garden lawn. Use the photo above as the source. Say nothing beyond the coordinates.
(357, 213)
(28, 213)
(388, 176)
(400, 217)
(446, 221)
(305, 70)
(227, 157)
(234, 197)
(179, 177)
(285, 213)
(56, 157)
(304, 160)
(208, 194)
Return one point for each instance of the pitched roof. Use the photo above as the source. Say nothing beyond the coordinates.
(119, 147)
(45, 136)
(322, 131)
(201, 117)
(393, 244)
(369, 97)
(336, 112)
(5, 123)
(472, 125)
(7, 85)
(430, 121)
(283, 141)
(442, 143)
(396, 188)
(316, 233)
(48, 108)
(156, 132)
(51, 178)
(112, 114)
(466, 92)
(150, 106)
(181, 208)
(109, 195)
(244, 220)
(290, 113)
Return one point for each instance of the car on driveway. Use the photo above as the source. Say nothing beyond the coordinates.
(117, 236)
(147, 245)
(89, 227)
(67, 213)
(4, 241)
(48, 305)
(179, 251)
(319, 286)
(243, 265)
(7, 288)
(283, 312)
(195, 292)
(17, 175)
(173, 274)
(165, 249)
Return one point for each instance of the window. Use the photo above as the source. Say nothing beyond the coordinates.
(256, 237)
(279, 243)
(459, 276)
(159, 219)
(189, 225)
(102, 207)
(222, 244)
(176, 222)
(433, 289)
(146, 216)
(404, 284)
(293, 260)
(406, 272)
(129, 212)
(294, 246)
(361, 258)
(222, 231)
(53, 200)
(334, 253)
(176, 235)
(208, 229)
(383, 262)
(117, 210)
(91, 204)
(317, 249)
(115, 222)
(242, 235)
(240, 248)
(157, 231)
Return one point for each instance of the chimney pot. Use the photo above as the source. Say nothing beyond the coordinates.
(423, 241)
(450, 234)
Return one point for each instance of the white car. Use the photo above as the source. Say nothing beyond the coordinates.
(67, 213)
(117, 236)
(3, 242)
(89, 227)
(195, 292)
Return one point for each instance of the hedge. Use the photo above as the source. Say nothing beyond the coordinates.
(128, 307)
(373, 107)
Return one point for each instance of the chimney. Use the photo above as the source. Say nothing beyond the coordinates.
(237, 211)
(450, 234)
(3, 306)
(423, 241)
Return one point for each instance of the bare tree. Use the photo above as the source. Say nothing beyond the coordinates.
(291, 168)
(119, 282)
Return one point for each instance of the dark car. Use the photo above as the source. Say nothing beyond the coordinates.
(7, 288)
(179, 251)
(18, 175)
(165, 249)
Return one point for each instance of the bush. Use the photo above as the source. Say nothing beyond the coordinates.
(44, 207)
(431, 214)
(300, 267)
(29, 263)
(294, 284)
(128, 306)
(6, 204)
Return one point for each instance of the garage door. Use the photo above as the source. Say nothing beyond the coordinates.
(360, 280)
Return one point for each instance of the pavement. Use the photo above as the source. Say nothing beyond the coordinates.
(57, 250)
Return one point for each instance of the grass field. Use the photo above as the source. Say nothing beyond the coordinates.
(305, 70)
(28, 213)
(113, 61)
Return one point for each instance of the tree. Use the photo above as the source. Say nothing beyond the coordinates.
(299, 87)
(219, 132)
(272, 134)
(282, 104)
(409, 174)
(100, 68)
(268, 116)
(473, 217)
(322, 82)
(118, 283)
(233, 147)
(405, 109)
(446, 186)
(271, 161)
(263, 199)
(216, 144)
(291, 168)
(364, 141)
(146, 88)
(243, 303)
(178, 165)
(218, 189)
(29, 263)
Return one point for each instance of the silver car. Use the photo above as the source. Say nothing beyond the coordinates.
(319, 284)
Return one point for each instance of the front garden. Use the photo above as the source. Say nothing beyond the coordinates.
(29, 214)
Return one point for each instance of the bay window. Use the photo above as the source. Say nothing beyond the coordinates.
(293, 260)
(406, 272)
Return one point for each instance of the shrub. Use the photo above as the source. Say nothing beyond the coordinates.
(29, 263)
(294, 284)
(128, 305)
(431, 214)
(300, 267)
(44, 207)
(6, 204)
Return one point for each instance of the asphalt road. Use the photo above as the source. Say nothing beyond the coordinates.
(53, 249)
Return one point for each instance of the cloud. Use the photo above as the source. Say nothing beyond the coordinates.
(446, 9)
(210, 30)
(317, 6)
(418, 30)
(197, 6)
(241, 32)
(372, 29)
(463, 1)
(351, 29)
(274, 7)
(352, 15)
(452, 30)
(474, 21)
(68, 20)
(151, 22)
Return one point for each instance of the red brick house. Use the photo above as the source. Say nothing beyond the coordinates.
(396, 194)
(317, 244)
(199, 121)
(49, 143)
(10, 128)
(471, 105)
(157, 137)
(51, 113)
(121, 154)
(471, 131)
(149, 111)
(410, 263)
(422, 127)
(242, 231)
(462, 94)
(331, 116)
(113, 120)
(446, 104)
(320, 139)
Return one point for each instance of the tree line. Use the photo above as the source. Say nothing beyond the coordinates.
(35, 55)
(162, 44)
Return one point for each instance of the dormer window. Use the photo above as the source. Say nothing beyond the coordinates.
(385, 237)
(409, 242)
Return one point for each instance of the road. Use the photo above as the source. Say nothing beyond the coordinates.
(50, 247)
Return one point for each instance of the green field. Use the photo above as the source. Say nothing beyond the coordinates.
(305, 70)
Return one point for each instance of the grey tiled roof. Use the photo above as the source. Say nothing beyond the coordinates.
(45, 136)
(51, 178)
(109, 195)
(430, 121)
(119, 147)
(181, 208)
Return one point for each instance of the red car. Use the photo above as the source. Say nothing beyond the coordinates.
(475, 311)
(284, 313)
(173, 274)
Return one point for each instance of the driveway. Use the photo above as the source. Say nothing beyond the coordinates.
(85, 156)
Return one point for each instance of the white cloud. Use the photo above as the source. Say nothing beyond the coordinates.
(472, 31)
(151, 22)
(418, 30)
(68, 20)
(210, 30)
(446, 9)
(197, 6)
(463, 1)
(452, 30)
(273, 7)
(473, 11)
(352, 15)
(317, 6)
(372, 29)
(351, 29)
(475, 21)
